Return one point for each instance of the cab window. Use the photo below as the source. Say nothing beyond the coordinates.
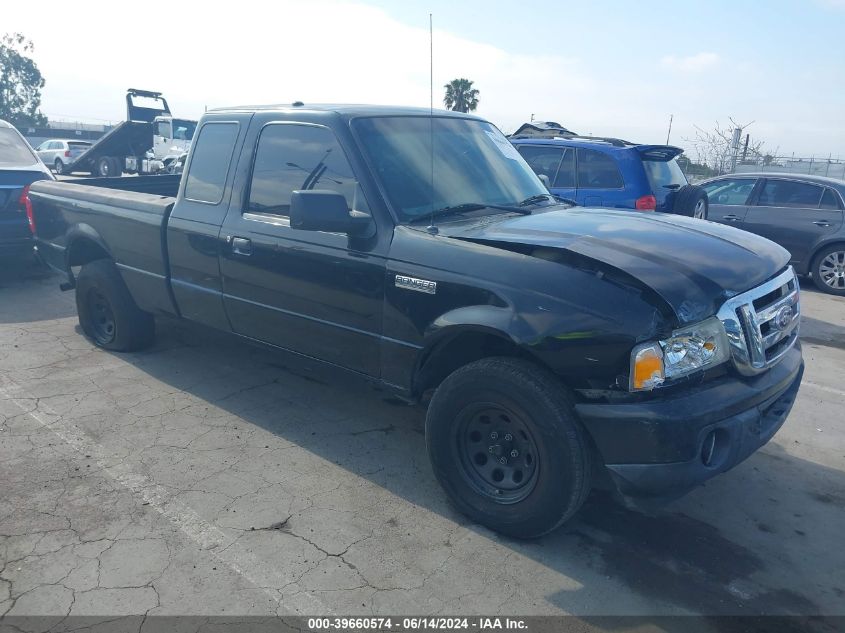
(292, 157)
(210, 165)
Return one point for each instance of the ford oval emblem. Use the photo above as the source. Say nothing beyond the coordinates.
(783, 317)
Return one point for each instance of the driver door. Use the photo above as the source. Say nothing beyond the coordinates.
(317, 293)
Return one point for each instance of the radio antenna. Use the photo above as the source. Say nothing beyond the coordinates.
(431, 228)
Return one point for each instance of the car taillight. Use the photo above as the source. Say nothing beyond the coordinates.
(26, 203)
(67, 153)
(646, 203)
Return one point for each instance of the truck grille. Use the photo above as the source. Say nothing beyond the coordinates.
(762, 324)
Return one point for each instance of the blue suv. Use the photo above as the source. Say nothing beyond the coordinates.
(609, 172)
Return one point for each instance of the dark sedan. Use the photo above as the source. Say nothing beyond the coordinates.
(19, 168)
(802, 213)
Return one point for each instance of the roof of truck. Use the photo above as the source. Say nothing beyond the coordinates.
(345, 109)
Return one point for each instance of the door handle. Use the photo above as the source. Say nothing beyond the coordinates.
(241, 246)
(821, 222)
(731, 217)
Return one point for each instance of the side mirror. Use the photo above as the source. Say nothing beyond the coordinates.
(545, 179)
(322, 210)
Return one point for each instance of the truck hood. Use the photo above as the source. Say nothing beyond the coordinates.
(693, 265)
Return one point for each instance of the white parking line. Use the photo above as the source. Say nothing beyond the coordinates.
(206, 535)
(815, 385)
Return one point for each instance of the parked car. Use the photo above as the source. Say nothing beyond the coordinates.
(609, 172)
(561, 347)
(19, 167)
(60, 153)
(802, 213)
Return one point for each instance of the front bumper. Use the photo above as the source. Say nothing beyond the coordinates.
(666, 446)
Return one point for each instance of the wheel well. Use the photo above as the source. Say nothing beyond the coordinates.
(84, 251)
(812, 260)
(459, 350)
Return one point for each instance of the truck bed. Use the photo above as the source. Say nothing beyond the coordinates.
(104, 212)
(164, 185)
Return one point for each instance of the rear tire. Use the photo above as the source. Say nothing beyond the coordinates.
(691, 201)
(506, 446)
(117, 168)
(107, 312)
(829, 270)
(59, 167)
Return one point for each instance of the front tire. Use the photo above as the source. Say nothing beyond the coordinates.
(829, 270)
(107, 312)
(506, 446)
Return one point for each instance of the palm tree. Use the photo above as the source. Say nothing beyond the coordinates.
(461, 96)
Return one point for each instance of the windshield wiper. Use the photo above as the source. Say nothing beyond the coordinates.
(540, 197)
(466, 207)
(673, 186)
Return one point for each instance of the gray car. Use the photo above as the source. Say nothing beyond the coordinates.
(802, 213)
(60, 153)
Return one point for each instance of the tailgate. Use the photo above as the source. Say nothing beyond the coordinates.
(664, 174)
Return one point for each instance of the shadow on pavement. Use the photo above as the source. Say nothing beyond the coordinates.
(22, 284)
(762, 539)
(776, 507)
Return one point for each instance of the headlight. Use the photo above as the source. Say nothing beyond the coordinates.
(688, 350)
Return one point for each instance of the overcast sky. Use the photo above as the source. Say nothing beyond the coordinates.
(614, 68)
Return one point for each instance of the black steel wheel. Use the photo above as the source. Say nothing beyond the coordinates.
(496, 451)
(108, 314)
(507, 447)
(102, 317)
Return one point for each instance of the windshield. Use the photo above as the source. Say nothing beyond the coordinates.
(664, 174)
(183, 130)
(473, 163)
(14, 151)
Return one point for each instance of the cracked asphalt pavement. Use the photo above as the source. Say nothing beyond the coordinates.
(205, 476)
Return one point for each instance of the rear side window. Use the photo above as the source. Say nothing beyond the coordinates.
(829, 200)
(789, 193)
(597, 170)
(78, 145)
(14, 150)
(293, 157)
(210, 165)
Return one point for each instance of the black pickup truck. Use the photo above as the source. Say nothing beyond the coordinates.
(558, 348)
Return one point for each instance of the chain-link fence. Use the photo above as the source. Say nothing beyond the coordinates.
(827, 166)
(816, 166)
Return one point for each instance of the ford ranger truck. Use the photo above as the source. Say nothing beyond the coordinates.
(557, 348)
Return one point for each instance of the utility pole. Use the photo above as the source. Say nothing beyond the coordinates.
(532, 117)
(671, 116)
